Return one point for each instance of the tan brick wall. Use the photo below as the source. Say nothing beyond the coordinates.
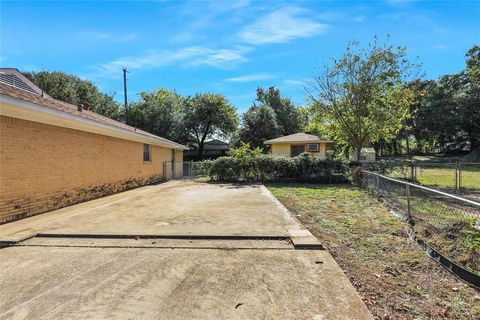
(44, 167)
(281, 149)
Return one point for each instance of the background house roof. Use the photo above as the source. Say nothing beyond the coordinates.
(298, 138)
(215, 145)
(47, 102)
(15, 78)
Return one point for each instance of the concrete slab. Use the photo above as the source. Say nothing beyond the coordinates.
(94, 283)
(217, 251)
(176, 207)
(304, 239)
(159, 243)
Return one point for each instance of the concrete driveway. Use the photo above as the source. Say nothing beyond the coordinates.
(179, 250)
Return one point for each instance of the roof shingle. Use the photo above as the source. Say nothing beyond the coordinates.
(298, 138)
(47, 102)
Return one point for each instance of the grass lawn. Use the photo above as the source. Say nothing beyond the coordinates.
(394, 277)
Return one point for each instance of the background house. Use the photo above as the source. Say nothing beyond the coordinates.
(53, 154)
(294, 144)
(211, 150)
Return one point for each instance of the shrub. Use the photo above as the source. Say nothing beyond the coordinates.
(354, 164)
(261, 167)
(203, 167)
(225, 169)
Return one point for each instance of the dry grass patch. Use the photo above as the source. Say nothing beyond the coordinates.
(394, 277)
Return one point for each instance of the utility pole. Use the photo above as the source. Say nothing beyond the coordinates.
(125, 93)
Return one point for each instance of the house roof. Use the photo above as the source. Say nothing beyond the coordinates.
(216, 141)
(47, 104)
(15, 78)
(215, 145)
(298, 138)
(368, 150)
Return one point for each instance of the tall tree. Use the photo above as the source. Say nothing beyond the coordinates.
(363, 96)
(289, 117)
(72, 89)
(159, 112)
(448, 110)
(470, 102)
(258, 124)
(208, 115)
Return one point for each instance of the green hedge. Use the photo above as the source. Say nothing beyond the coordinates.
(263, 167)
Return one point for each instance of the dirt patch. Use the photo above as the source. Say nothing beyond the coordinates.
(459, 240)
(394, 277)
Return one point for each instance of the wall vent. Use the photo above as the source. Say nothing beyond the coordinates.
(15, 81)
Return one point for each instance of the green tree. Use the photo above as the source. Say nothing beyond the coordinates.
(159, 112)
(72, 89)
(289, 118)
(363, 96)
(258, 124)
(473, 66)
(469, 110)
(447, 111)
(208, 115)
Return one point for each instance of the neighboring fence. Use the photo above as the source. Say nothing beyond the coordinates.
(473, 156)
(447, 225)
(461, 176)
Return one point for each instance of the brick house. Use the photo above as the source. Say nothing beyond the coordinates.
(54, 154)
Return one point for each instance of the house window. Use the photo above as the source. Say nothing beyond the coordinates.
(147, 155)
(312, 147)
(296, 150)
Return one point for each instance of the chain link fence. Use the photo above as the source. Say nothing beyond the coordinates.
(172, 169)
(459, 176)
(448, 223)
(183, 169)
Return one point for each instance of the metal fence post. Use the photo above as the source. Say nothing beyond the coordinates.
(456, 175)
(412, 174)
(407, 191)
(459, 168)
(415, 171)
(164, 170)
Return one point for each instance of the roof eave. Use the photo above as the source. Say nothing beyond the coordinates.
(287, 142)
(30, 109)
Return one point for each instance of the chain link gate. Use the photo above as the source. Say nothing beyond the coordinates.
(188, 170)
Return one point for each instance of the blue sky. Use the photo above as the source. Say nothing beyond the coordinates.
(227, 47)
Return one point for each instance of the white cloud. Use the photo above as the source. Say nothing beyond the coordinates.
(222, 58)
(441, 47)
(105, 36)
(251, 77)
(281, 26)
(359, 18)
(295, 83)
(190, 56)
(222, 6)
